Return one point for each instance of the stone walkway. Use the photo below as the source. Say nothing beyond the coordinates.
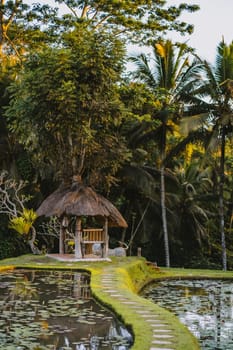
(163, 336)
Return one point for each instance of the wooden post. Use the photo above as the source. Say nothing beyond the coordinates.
(61, 240)
(77, 240)
(64, 222)
(139, 253)
(105, 252)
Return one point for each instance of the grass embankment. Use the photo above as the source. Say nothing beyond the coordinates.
(130, 275)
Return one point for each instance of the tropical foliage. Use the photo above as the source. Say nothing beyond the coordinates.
(22, 224)
(157, 140)
(214, 98)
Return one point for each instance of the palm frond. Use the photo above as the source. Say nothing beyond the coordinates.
(160, 50)
(224, 62)
(214, 140)
(192, 123)
(140, 179)
(143, 71)
(164, 63)
(136, 133)
(170, 178)
(188, 80)
(191, 138)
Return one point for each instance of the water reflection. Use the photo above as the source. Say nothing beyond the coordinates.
(55, 310)
(204, 306)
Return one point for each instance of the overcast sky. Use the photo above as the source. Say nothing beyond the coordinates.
(212, 22)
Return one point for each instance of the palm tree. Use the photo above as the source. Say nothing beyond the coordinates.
(170, 77)
(191, 205)
(214, 97)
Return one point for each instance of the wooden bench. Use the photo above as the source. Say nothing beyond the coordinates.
(91, 236)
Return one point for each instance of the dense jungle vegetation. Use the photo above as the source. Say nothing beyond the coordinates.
(155, 140)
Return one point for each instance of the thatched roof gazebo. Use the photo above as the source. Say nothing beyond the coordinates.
(79, 200)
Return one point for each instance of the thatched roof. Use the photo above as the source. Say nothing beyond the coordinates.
(80, 200)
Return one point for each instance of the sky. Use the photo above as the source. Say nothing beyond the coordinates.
(212, 22)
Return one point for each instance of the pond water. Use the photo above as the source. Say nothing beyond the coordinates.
(54, 310)
(204, 306)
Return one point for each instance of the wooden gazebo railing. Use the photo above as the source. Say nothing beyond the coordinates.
(84, 240)
(91, 236)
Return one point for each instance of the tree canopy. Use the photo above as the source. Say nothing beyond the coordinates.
(68, 107)
(139, 20)
(65, 103)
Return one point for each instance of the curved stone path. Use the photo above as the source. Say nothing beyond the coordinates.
(163, 335)
(112, 284)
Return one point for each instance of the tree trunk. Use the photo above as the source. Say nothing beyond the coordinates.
(61, 240)
(164, 219)
(221, 200)
(78, 232)
(1, 29)
(31, 242)
(163, 196)
(106, 239)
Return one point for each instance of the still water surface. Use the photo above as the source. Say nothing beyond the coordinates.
(204, 306)
(55, 310)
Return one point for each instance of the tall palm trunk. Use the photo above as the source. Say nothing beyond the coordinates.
(164, 218)
(221, 200)
(163, 197)
(169, 79)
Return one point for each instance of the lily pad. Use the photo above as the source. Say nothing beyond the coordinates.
(204, 306)
(41, 308)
